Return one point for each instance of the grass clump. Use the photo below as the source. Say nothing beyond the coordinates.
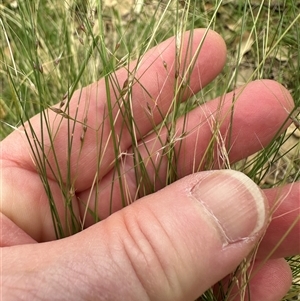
(50, 49)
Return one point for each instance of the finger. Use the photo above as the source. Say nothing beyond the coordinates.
(231, 124)
(152, 88)
(26, 202)
(272, 274)
(171, 245)
(33, 212)
(11, 234)
(265, 281)
(218, 133)
(282, 238)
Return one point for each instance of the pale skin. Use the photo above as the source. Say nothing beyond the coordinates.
(262, 107)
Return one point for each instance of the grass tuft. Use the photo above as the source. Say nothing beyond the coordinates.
(50, 49)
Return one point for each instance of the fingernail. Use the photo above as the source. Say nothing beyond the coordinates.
(234, 201)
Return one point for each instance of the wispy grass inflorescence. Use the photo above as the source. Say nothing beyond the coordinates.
(50, 50)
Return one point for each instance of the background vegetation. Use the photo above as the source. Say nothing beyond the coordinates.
(48, 49)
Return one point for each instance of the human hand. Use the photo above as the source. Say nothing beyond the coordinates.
(166, 246)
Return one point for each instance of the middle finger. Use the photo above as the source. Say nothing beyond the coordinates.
(232, 127)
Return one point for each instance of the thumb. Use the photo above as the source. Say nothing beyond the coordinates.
(171, 245)
(178, 242)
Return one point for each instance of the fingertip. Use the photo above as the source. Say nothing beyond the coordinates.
(262, 110)
(282, 236)
(267, 281)
(275, 273)
(213, 49)
(219, 43)
(203, 56)
(212, 37)
(270, 104)
(281, 97)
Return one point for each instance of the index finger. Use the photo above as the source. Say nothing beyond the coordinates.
(153, 84)
(24, 200)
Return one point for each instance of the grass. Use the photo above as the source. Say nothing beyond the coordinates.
(49, 49)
